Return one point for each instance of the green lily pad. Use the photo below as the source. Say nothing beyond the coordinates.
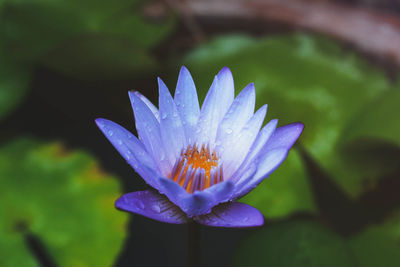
(302, 78)
(297, 244)
(377, 121)
(286, 191)
(378, 245)
(372, 139)
(63, 198)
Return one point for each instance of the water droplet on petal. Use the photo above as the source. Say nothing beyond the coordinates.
(119, 142)
(110, 133)
(156, 208)
(229, 131)
(163, 116)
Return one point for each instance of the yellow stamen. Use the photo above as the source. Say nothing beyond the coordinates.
(199, 166)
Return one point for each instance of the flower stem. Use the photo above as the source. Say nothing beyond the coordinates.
(193, 245)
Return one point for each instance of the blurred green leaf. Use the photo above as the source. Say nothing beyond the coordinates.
(286, 191)
(42, 29)
(297, 244)
(61, 197)
(302, 78)
(378, 245)
(371, 140)
(104, 56)
(379, 120)
(14, 83)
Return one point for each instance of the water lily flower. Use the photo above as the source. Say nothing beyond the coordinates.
(200, 160)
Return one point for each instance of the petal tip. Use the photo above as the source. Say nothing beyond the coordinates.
(225, 71)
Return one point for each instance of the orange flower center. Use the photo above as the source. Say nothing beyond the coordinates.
(197, 169)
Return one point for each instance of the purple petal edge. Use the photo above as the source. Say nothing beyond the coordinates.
(232, 215)
(152, 205)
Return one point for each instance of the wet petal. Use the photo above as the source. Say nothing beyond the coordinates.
(232, 214)
(262, 138)
(148, 129)
(216, 104)
(238, 114)
(267, 163)
(201, 202)
(271, 156)
(234, 154)
(285, 136)
(172, 132)
(128, 146)
(149, 105)
(152, 205)
(187, 103)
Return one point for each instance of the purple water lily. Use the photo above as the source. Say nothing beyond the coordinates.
(200, 160)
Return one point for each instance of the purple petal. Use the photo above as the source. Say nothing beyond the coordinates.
(128, 146)
(269, 158)
(234, 154)
(285, 136)
(262, 138)
(201, 202)
(216, 104)
(267, 164)
(233, 214)
(149, 105)
(172, 132)
(152, 205)
(171, 189)
(238, 114)
(187, 102)
(148, 129)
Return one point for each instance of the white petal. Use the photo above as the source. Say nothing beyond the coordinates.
(187, 103)
(238, 114)
(172, 132)
(262, 138)
(149, 104)
(148, 129)
(234, 154)
(216, 104)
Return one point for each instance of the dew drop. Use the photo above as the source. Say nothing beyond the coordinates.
(163, 116)
(119, 142)
(156, 208)
(229, 131)
(110, 133)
